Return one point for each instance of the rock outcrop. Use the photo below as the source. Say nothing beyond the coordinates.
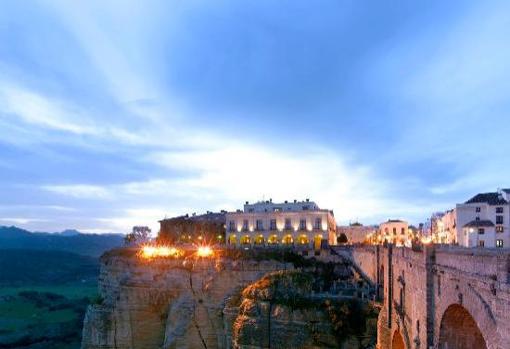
(209, 303)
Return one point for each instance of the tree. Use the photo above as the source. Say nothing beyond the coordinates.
(342, 239)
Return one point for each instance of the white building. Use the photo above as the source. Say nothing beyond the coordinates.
(394, 231)
(483, 220)
(288, 223)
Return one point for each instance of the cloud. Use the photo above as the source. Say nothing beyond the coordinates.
(80, 191)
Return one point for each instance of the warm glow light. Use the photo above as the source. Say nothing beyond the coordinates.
(149, 251)
(426, 240)
(204, 251)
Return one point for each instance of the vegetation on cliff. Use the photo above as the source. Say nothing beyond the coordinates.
(348, 320)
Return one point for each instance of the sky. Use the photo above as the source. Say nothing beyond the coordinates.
(121, 113)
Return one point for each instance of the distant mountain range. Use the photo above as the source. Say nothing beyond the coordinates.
(73, 241)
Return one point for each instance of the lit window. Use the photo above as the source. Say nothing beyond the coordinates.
(499, 243)
(499, 229)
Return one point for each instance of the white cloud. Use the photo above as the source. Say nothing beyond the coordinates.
(81, 191)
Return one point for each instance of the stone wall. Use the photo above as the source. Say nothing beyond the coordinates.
(423, 292)
(165, 304)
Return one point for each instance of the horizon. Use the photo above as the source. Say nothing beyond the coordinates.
(119, 114)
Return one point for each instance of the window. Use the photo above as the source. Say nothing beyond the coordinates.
(386, 231)
(302, 224)
(277, 209)
(272, 224)
(250, 210)
(232, 225)
(477, 218)
(499, 209)
(288, 224)
(481, 231)
(318, 223)
(245, 224)
(477, 209)
(481, 243)
(394, 231)
(258, 225)
(499, 243)
(499, 229)
(403, 231)
(305, 208)
(499, 219)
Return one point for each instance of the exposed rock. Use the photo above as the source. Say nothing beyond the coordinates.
(210, 303)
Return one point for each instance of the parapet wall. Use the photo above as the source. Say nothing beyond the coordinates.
(365, 258)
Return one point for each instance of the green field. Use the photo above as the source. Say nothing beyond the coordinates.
(34, 317)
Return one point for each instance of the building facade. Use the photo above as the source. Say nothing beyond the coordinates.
(355, 232)
(266, 223)
(395, 231)
(193, 229)
(482, 221)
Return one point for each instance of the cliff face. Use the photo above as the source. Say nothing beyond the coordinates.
(209, 303)
(164, 303)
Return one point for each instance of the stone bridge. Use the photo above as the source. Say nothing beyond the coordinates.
(440, 297)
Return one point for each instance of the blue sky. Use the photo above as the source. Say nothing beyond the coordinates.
(119, 113)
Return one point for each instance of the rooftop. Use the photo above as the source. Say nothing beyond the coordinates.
(479, 223)
(493, 198)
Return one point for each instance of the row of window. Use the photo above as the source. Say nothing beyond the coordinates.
(499, 219)
(402, 231)
(259, 224)
(499, 229)
(499, 243)
(498, 209)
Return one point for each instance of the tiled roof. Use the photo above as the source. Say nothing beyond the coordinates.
(489, 198)
(479, 223)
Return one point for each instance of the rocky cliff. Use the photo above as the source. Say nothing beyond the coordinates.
(204, 303)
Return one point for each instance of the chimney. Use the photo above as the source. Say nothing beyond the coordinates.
(307, 200)
(286, 202)
(295, 200)
(246, 203)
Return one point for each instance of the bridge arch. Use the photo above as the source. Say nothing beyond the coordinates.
(459, 330)
(398, 341)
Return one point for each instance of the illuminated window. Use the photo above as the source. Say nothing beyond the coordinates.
(318, 223)
(499, 243)
(499, 229)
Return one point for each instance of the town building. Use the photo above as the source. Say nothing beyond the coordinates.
(354, 233)
(203, 228)
(395, 231)
(482, 221)
(297, 223)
